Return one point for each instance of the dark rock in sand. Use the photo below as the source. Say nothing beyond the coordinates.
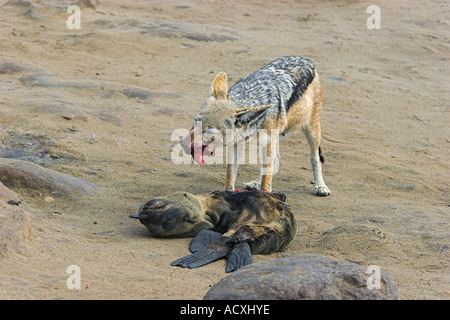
(19, 174)
(64, 111)
(191, 31)
(138, 94)
(302, 277)
(48, 80)
(10, 66)
(37, 149)
(53, 81)
(134, 92)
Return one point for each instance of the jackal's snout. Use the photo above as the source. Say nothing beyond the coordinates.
(197, 149)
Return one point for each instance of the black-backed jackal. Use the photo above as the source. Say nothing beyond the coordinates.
(284, 96)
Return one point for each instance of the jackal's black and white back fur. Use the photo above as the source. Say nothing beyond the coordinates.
(279, 84)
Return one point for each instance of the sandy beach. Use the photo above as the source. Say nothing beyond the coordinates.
(100, 103)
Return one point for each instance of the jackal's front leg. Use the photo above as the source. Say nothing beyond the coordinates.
(266, 181)
(258, 183)
(232, 169)
(270, 164)
(313, 137)
(231, 176)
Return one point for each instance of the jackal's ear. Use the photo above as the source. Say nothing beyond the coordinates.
(249, 114)
(220, 86)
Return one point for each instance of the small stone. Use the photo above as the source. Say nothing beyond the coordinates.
(14, 202)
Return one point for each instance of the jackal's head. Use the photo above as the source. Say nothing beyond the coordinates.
(216, 116)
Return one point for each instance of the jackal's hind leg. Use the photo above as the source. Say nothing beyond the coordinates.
(313, 136)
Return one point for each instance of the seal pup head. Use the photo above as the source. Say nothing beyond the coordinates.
(178, 214)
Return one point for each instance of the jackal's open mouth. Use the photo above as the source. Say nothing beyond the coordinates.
(198, 151)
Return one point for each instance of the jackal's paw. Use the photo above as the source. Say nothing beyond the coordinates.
(322, 191)
(252, 185)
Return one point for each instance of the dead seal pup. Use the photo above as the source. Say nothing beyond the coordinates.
(224, 223)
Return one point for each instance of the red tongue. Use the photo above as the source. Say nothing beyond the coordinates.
(197, 154)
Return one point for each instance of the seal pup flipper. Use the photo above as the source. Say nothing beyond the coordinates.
(202, 256)
(203, 239)
(239, 257)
